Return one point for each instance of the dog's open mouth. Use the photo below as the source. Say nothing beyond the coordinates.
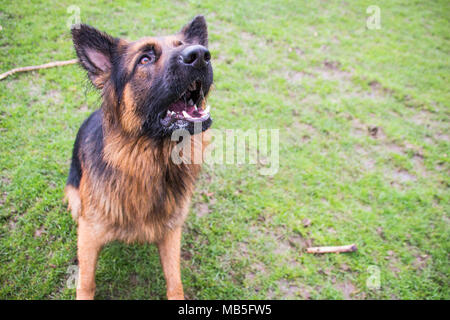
(191, 106)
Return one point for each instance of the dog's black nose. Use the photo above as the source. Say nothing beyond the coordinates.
(197, 56)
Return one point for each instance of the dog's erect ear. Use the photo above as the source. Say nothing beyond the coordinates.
(96, 51)
(196, 31)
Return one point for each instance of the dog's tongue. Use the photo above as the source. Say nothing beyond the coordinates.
(180, 106)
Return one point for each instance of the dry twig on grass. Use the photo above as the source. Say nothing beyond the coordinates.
(336, 249)
(42, 66)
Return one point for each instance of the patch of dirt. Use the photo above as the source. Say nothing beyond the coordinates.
(282, 248)
(297, 50)
(394, 148)
(378, 89)
(421, 261)
(440, 166)
(324, 48)
(186, 255)
(134, 279)
(347, 288)
(358, 128)
(415, 150)
(201, 209)
(393, 262)
(330, 70)
(418, 164)
(421, 117)
(288, 290)
(380, 232)
(306, 222)
(310, 101)
(3, 196)
(4, 181)
(38, 233)
(376, 132)
(332, 65)
(252, 45)
(300, 133)
(442, 137)
(12, 224)
(54, 96)
(297, 76)
(344, 267)
(297, 241)
(256, 269)
(242, 248)
(34, 89)
(326, 272)
(402, 176)
(365, 160)
(83, 108)
(331, 230)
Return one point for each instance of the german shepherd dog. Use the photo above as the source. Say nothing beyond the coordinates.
(122, 183)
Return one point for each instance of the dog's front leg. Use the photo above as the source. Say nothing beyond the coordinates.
(169, 252)
(88, 249)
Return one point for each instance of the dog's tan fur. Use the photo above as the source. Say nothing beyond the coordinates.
(124, 184)
(108, 211)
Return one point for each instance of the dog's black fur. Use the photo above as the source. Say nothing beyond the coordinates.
(164, 87)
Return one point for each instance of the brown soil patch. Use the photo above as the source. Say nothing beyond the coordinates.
(330, 70)
(421, 261)
(288, 290)
(300, 133)
(442, 137)
(201, 209)
(347, 288)
(257, 268)
(38, 233)
(4, 181)
(402, 176)
(297, 76)
(378, 89)
(376, 132)
(358, 127)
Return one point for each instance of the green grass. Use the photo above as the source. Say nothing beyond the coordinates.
(311, 69)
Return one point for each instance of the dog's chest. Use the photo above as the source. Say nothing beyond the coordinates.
(140, 207)
(141, 193)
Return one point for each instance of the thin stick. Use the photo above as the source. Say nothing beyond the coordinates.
(338, 249)
(42, 66)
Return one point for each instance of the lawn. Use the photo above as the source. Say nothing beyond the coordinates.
(364, 151)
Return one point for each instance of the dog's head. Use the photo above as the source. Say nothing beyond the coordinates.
(152, 86)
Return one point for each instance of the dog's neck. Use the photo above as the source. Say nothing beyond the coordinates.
(136, 156)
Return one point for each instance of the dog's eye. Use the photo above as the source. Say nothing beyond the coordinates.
(145, 59)
(177, 43)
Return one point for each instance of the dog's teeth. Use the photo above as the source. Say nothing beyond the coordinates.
(195, 107)
(186, 115)
(208, 107)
